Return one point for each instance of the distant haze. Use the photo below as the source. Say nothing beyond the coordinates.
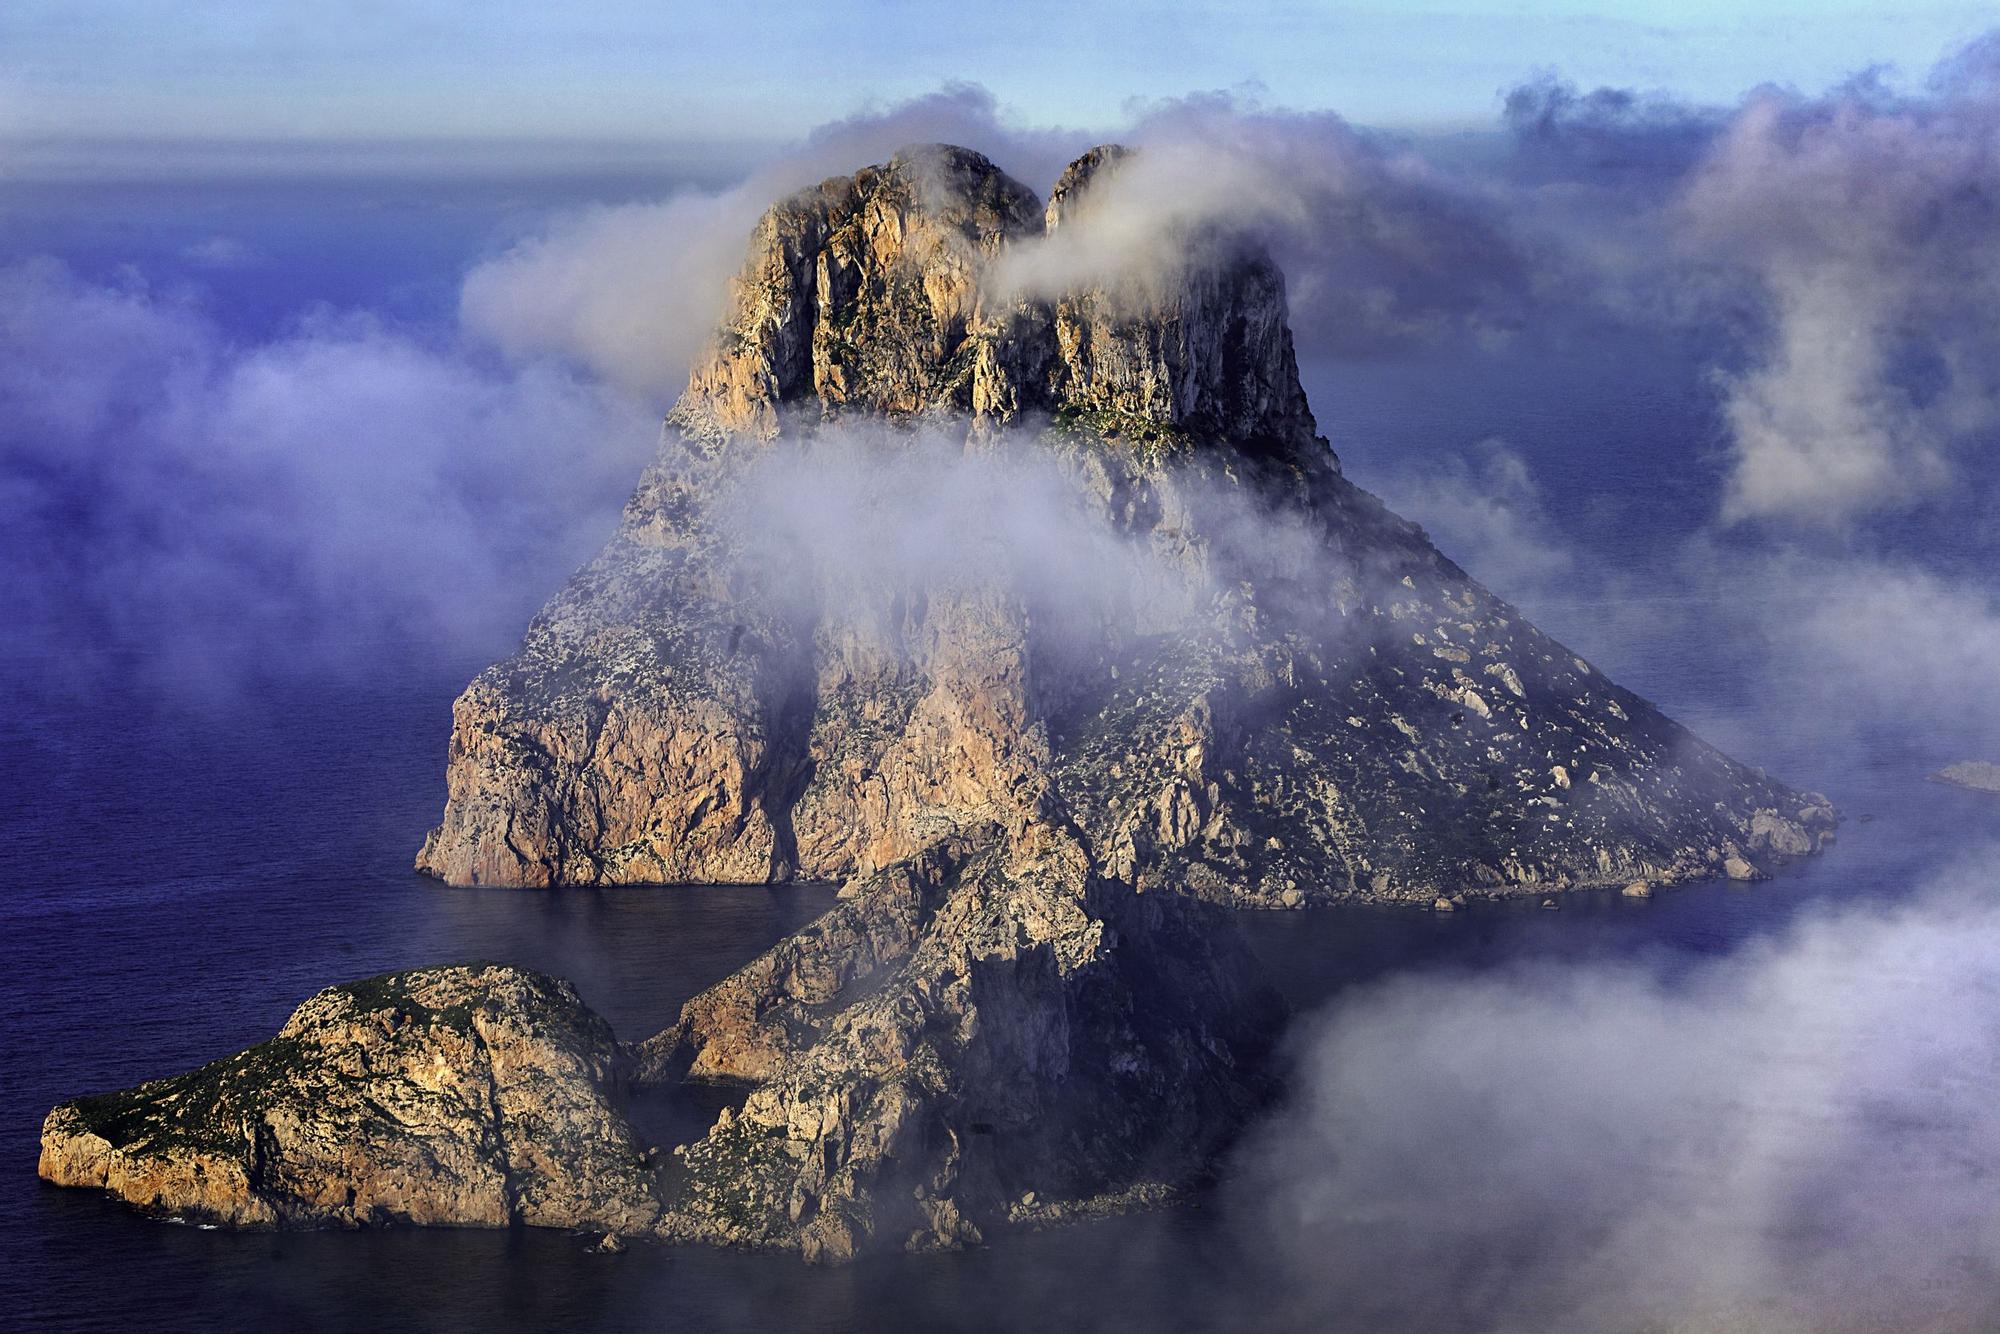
(761, 72)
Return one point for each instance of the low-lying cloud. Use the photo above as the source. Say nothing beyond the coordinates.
(1834, 250)
(1868, 221)
(1799, 1136)
(864, 526)
(208, 508)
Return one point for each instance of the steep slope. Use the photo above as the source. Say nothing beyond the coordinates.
(987, 1034)
(1295, 698)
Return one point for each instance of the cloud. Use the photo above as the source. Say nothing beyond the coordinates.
(221, 252)
(1377, 248)
(1823, 660)
(1798, 1136)
(1867, 221)
(1485, 510)
(211, 508)
(628, 292)
(1607, 135)
(855, 524)
(1832, 250)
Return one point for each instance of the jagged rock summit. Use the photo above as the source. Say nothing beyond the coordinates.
(1325, 709)
(872, 293)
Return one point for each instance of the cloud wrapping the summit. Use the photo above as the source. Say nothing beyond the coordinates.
(1378, 249)
(632, 293)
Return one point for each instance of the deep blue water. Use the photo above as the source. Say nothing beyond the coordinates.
(186, 866)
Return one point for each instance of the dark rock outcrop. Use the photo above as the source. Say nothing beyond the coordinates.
(987, 1034)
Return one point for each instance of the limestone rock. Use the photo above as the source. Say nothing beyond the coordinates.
(475, 1096)
(861, 294)
(1773, 833)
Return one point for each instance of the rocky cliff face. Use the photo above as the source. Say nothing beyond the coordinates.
(471, 1097)
(1306, 702)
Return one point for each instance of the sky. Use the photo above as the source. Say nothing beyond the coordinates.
(699, 74)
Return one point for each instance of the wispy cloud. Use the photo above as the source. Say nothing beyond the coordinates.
(212, 508)
(1798, 1136)
(632, 293)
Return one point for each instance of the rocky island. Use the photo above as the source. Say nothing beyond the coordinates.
(1155, 658)
(1978, 775)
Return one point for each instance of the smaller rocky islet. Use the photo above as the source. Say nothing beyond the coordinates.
(1975, 775)
(474, 1095)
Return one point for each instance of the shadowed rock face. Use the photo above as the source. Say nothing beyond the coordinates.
(1309, 703)
(464, 1096)
(986, 1034)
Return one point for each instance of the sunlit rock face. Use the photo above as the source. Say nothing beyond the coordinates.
(1299, 699)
